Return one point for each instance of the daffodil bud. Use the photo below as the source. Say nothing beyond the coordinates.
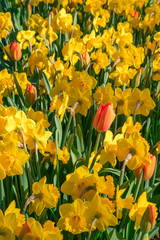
(104, 117)
(15, 51)
(30, 94)
(148, 169)
(148, 219)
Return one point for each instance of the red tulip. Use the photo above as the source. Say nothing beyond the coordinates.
(15, 51)
(104, 117)
(30, 94)
(148, 169)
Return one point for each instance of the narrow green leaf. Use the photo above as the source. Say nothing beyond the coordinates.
(46, 41)
(74, 154)
(114, 235)
(80, 136)
(59, 129)
(70, 141)
(47, 84)
(19, 90)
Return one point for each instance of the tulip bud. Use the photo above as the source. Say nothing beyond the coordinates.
(148, 169)
(29, 11)
(136, 14)
(15, 51)
(104, 117)
(148, 219)
(86, 58)
(51, 14)
(25, 229)
(30, 94)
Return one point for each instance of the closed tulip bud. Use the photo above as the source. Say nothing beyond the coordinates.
(136, 14)
(15, 51)
(104, 117)
(25, 229)
(30, 94)
(86, 58)
(148, 169)
(29, 11)
(148, 219)
(51, 14)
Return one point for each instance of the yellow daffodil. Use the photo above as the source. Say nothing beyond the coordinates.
(105, 95)
(122, 101)
(73, 217)
(108, 154)
(39, 135)
(12, 159)
(140, 102)
(126, 203)
(100, 214)
(137, 147)
(46, 196)
(100, 60)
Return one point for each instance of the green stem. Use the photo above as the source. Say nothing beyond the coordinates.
(21, 189)
(17, 192)
(57, 167)
(66, 131)
(97, 142)
(2, 202)
(138, 186)
(15, 65)
(107, 235)
(37, 160)
(95, 150)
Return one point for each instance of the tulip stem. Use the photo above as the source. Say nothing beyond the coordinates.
(37, 160)
(15, 66)
(97, 142)
(94, 159)
(138, 186)
(66, 130)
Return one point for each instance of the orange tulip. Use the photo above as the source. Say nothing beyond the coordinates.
(148, 169)
(30, 94)
(15, 51)
(104, 117)
(148, 219)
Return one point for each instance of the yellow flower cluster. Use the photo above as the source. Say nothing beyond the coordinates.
(12, 224)
(64, 59)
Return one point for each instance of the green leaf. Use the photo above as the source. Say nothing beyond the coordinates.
(155, 199)
(19, 90)
(74, 154)
(151, 189)
(47, 84)
(59, 129)
(80, 136)
(125, 184)
(46, 41)
(114, 235)
(111, 170)
(70, 141)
